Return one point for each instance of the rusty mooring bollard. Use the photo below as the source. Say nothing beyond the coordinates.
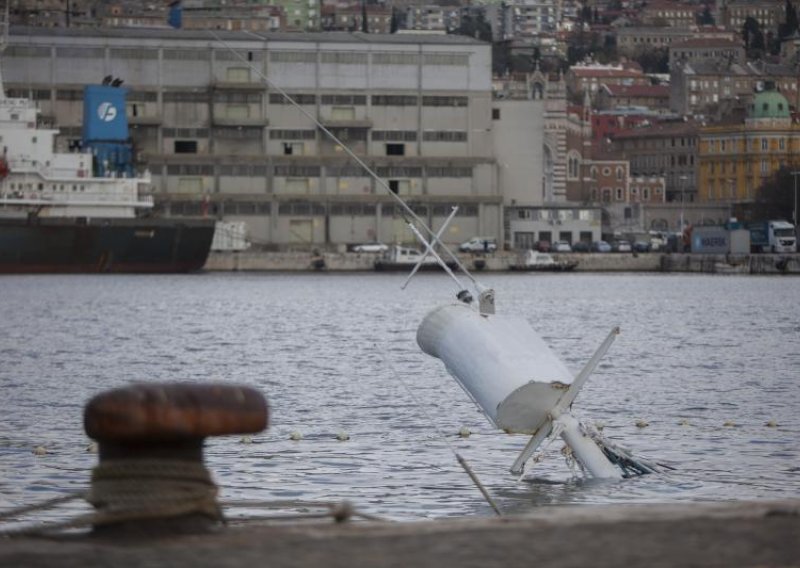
(151, 475)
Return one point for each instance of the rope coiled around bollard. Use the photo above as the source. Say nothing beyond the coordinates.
(125, 490)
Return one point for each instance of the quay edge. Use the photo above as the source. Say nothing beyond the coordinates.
(611, 262)
(735, 534)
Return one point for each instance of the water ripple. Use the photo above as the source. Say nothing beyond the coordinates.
(707, 361)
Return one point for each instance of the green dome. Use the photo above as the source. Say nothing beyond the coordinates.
(770, 104)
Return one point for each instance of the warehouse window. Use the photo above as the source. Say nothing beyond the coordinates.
(185, 147)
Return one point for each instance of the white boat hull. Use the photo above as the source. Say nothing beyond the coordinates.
(502, 364)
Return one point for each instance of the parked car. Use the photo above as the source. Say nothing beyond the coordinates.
(561, 246)
(658, 241)
(601, 246)
(479, 244)
(621, 246)
(542, 246)
(641, 246)
(580, 246)
(371, 247)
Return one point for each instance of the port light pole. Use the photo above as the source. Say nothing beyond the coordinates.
(794, 213)
(682, 179)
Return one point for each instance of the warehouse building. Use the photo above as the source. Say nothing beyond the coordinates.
(219, 140)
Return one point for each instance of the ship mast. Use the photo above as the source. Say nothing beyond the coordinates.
(3, 43)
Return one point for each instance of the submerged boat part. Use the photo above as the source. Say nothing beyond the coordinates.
(522, 387)
(430, 250)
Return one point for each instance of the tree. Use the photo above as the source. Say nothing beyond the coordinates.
(774, 199)
(501, 57)
(706, 18)
(654, 60)
(581, 45)
(585, 15)
(791, 25)
(364, 23)
(753, 37)
(522, 63)
(474, 24)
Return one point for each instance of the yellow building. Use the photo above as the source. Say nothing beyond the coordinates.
(735, 159)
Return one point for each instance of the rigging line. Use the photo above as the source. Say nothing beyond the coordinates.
(348, 151)
(462, 462)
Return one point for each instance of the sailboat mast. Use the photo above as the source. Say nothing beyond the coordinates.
(3, 42)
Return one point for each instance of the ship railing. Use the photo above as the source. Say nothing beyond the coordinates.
(65, 201)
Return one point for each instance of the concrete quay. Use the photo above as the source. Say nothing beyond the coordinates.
(587, 262)
(732, 535)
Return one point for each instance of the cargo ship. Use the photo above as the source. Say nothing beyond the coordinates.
(87, 210)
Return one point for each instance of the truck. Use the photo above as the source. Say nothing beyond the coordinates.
(772, 236)
(479, 244)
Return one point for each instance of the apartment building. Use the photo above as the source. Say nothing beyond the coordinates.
(703, 49)
(416, 109)
(667, 149)
(609, 123)
(591, 77)
(251, 18)
(700, 88)
(654, 97)
(432, 17)
(635, 40)
(672, 14)
(533, 17)
(346, 17)
(532, 130)
(768, 13)
(735, 158)
(300, 15)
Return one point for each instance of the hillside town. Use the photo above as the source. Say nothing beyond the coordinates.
(542, 120)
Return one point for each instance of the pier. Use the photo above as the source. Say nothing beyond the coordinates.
(729, 534)
(587, 262)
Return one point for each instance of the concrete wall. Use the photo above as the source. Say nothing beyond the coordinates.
(519, 145)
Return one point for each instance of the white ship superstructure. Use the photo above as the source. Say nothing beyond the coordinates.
(35, 178)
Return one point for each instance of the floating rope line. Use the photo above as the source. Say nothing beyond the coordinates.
(141, 490)
(472, 475)
(340, 511)
(48, 504)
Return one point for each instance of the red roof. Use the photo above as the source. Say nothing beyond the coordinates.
(707, 42)
(669, 6)
(660, 91)
(604, 72)
(659, 129)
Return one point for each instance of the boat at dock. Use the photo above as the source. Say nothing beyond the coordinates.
(400, 258)
(87, 210)
(532, 261)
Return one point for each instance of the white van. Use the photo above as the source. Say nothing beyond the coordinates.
(479, 244)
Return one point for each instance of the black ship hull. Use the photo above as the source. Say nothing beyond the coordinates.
(560, 267)
(389, 266)
(41, 245)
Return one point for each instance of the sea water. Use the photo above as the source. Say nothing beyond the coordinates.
(705, 377)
